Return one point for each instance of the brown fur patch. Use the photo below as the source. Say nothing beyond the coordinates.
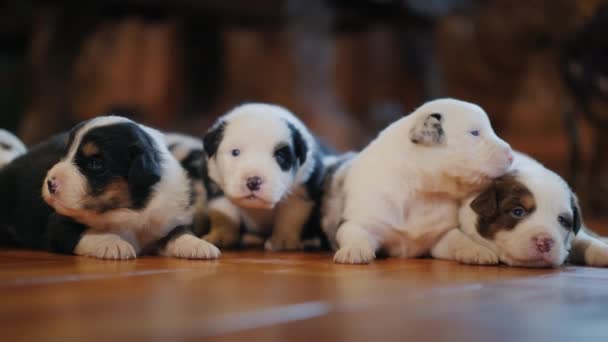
(90, 149)
(494, 205)
(115, 196)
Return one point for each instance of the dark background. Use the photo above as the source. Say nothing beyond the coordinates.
(347, 67)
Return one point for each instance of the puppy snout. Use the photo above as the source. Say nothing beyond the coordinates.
(52, 185)
(543, 242)
(254, 183)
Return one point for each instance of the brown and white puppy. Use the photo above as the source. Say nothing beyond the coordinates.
(111, 190)
(529, 217)
(10, 147)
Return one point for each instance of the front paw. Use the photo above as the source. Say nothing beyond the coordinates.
(190, 247)
(357, 253)
(476, 256)
(222, 238)
(105, 246)
(282, 243)
(597, 255)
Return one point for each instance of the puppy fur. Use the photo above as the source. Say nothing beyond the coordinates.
(110, 189)
(268, 166)
(10, 147)
(529, 218)
(402, 191)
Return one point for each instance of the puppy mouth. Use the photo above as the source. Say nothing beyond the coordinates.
(540, 261)
(254, 201)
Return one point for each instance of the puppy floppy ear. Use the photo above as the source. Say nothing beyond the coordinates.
(428, 131)
(145, 171)
(577, 220)
(486, 203)
(213, 138)
(299, 144)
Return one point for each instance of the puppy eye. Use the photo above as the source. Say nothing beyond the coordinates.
(236, 152)
(519, 212)
(5, 146)
(475, 133)
(95, 164)
(284, 158)
(564, 222)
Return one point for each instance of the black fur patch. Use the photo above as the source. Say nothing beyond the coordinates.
(576, 215)
(213, 138)
(284, 156)
(193, 164)
(299, 144)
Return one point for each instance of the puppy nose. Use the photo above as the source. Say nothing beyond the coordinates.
(510, 156)
(253, 183)
(544, 243)
(52, 185)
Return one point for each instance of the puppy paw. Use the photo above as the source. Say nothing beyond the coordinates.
(105, 246)
(282, 243)
(360, 253)
(476, 256)
(597, 255)
(190, 247)
(222, 238)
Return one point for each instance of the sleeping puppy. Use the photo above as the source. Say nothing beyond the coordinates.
(10, 147)
(189, 152)
(529, 217)
(268, 166)
(111, 190)
(402, 192)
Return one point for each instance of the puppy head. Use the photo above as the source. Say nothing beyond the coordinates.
(110, 163)
(10, 147)
(527, 219)
(257, 153)
(188, 151)
(457, 137)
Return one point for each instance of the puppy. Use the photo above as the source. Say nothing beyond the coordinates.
(10, 147)
(269, 168)
(401, 193)
(189, 152)
(529, 217)
(111, 190)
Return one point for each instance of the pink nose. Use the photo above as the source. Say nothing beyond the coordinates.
(543, 242)
(510, 157)
(52, 185)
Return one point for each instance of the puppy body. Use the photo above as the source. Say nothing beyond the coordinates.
(529, 217)
(268, 166)
(111, 190)
(10, 147)
(402, 191)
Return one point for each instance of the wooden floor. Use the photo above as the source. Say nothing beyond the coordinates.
(251, 296)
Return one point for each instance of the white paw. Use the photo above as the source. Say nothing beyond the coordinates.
(282, 243)
(105, 246)
(190, 247)
(359, 253)
(476, 256)
(597, 255)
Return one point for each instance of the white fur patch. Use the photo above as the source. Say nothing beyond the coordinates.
(10, 147)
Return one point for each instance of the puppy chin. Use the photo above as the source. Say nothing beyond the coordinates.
(534, 260)
(253, 203)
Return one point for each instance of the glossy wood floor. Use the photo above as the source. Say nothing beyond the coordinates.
(258, 296)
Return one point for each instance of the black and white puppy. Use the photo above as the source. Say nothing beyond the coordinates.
(10, 147)
(188, 150)
(110, 189)
(268, 166)
(529, 217)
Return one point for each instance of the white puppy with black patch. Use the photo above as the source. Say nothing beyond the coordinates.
(268, 166)
(110, 189)
(402, 192)
(10, 147)
(528, 217)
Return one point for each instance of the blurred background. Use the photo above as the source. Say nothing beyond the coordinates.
(346, 67)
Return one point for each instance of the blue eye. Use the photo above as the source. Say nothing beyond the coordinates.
(475, 133)
(519, 212)
(236, 152)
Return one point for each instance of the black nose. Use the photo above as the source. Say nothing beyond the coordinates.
(253, 183)
(51, 185)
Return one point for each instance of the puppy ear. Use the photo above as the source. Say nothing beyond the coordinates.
(428, 131)
(145, 170)
(299, 144)
(577, 220)
(213, 138)
(486, 204)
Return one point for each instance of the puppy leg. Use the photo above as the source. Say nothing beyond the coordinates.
(182, 244)
(455, 245)
(357, 246)
(291, 216)
(225, 223)
(589, 250)
(104, 246)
